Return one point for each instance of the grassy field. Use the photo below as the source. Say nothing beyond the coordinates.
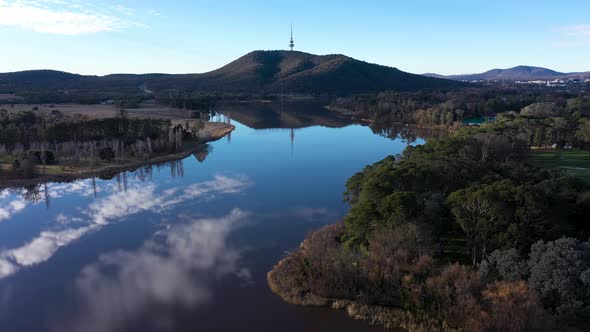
(575, 162)
(147, 109)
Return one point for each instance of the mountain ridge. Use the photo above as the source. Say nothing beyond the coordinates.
(521, 72)
(255, 72)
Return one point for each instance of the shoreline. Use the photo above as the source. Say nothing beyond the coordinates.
(395, 318)
(368, 121)
(211, 134)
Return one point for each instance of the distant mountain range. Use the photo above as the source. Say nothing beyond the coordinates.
(255, 72)
(519, 73)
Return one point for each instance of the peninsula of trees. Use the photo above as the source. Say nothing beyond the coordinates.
(459, 234)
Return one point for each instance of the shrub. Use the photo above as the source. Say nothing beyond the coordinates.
(329, 269)
(510, 306)
(452, 297)
(396, 260)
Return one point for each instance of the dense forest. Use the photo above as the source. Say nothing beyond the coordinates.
(462, 232)
(432, 108)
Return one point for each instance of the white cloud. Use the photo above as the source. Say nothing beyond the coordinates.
(207, 190)
(44, 246)
(124, 203)
(580, 30)
(81, 187)
(144, 198)
(573, 36)
(7, 268)
(62, 17)
(114, 207)
(18, 205)
(124, 10)
(153, 12)
(4, 193)
(8, 209)
(177, 268)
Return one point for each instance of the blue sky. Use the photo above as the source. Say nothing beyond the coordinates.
(442, 36)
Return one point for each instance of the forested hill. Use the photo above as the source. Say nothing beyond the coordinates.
(255, 72)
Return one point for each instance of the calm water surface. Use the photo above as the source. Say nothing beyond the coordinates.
(184, 246)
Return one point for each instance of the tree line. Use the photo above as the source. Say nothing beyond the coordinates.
(27, 138)
(432, 108)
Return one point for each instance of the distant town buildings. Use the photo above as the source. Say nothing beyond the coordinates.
(534, 82)
(558, 82)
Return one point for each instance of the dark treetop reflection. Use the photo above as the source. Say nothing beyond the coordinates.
(186, 245)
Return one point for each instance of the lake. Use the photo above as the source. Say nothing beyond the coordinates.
(185, 245)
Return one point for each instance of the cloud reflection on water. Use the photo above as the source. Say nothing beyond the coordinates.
(111, 208)
(14, 201)
(176, 268)
(9, 208)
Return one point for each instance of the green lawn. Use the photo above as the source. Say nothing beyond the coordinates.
(575, 162)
